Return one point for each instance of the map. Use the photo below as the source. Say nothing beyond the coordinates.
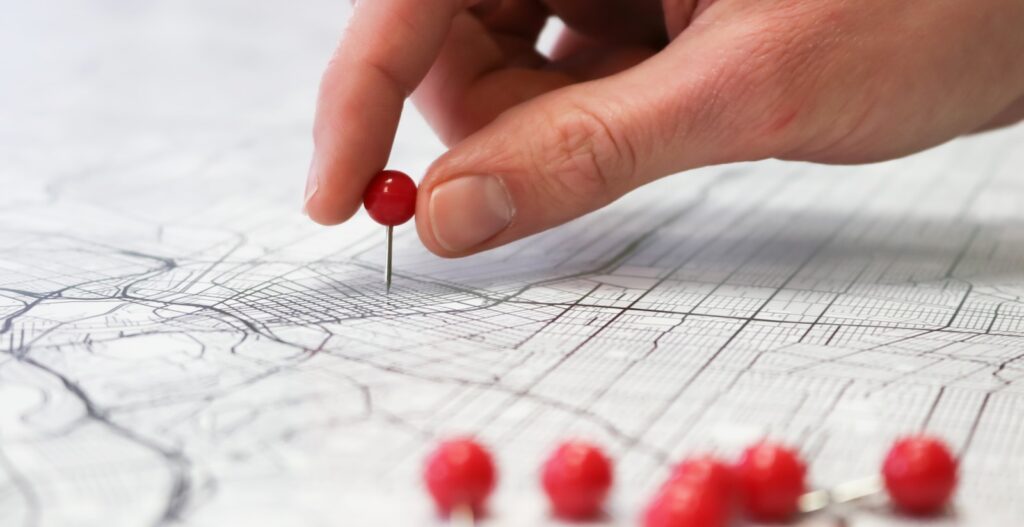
(180, 345)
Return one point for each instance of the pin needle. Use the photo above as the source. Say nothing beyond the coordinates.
(817, 500)
(387, 263)
(462, 516)
(821, 500)
(390, 199)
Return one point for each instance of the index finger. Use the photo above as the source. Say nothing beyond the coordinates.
(386, 51)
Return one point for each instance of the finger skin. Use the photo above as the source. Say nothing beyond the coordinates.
(825, 80)
(387, 49)
(577, 149)
(574, 150)
(816, 81)
(1012, 114)
(896, 78)
(626, 22)
(479, 74)
(587, 59)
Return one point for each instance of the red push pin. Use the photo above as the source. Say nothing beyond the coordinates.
(460, 475)
(698, 493)
(770, 481)
(687, 503)
(708, 471)
(577, 478)
(920, 474)
(390, 199)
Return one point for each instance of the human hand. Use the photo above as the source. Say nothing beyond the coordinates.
(638, 89)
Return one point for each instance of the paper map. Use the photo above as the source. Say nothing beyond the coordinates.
(179, 345)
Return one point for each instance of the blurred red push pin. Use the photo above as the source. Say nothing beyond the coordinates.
(920, 474)
(706, 470)
(688, 503)
(390, 199)
(577, 478)
(460, 475)
(698, 493)
(770, 481)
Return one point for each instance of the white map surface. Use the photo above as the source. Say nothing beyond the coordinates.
(179, 345)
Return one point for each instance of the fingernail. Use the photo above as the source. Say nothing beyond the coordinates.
(469, 210)
(312, 183)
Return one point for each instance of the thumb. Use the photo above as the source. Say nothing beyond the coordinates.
(572, 151)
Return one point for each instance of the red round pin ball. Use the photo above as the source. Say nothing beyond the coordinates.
(390, 198)
(460, 473)
(770, 481)
(920, 475)
(707, 471)
(577, 477)
(687, 503)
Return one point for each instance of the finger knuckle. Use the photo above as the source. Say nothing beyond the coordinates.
(585, 158)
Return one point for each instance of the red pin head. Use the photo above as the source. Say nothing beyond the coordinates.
(577, 478)
(920, 474)
(459, 473)
(687, 503)
(707, 471)
(390, 198)
(770, 480)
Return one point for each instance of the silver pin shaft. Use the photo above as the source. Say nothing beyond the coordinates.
(850, 491)
(820, 500)
(387, 261)
(462, 516)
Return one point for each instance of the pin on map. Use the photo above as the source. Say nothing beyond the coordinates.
(390, 199)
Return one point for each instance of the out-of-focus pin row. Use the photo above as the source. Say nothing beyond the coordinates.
(766, 484)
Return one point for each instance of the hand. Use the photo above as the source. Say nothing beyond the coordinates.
(637, 89)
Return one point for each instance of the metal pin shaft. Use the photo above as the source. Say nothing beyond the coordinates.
(850, 491)
(820, 500)
(462, 516)
(387, 262)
